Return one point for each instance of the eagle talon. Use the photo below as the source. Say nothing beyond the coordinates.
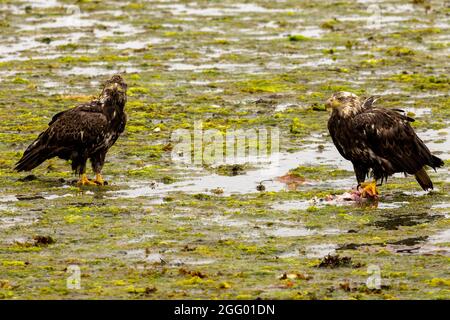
(84, 181)
(369, 190)
(99, 180)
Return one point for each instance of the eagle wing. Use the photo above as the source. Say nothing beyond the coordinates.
(76, 127)
(386, 138)
(93, 106)
(79, 129)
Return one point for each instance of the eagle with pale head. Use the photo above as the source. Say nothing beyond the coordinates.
(378, 141)
(84, 132)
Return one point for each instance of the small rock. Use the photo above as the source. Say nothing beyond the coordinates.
(150, 290)
(335, 261)
(43, 240)
(25, 197)
(260, 187)
(217, 190)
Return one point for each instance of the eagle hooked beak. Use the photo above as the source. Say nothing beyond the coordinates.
(117, 87)
(332, 103)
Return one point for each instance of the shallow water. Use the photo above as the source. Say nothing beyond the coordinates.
(320, 250)
(231, 64)
(299, 232)
(17, 221)
(273, 166)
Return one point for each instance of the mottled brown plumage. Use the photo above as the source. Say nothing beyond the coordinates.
(84, 132)
(378, 140)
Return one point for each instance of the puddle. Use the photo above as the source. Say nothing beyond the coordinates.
(283, 232)
(193, 9)
(420, 193)
(274, 166)
(395, 221)
(55, 196)
(441, 237)
(66, 21)
(320, 250)
(319, 203)
(193, 262)
(438, 141)
(391, 205)
(79, 28)
(384, 21)
(289, 254)
(283, 106)
(17, 221)
(4, 207)
(96, 71)
(418, 245)
(138, 44)
(154, 258)
(293, 205)
(317, 62)
(41, 3)
(312, 251)
(11, 198)
(225, 221)
(310, 32)
(443, 205)
(8, 198)
(140, 239)
(423, 245)
(144, 255)
(12, 48)
(417, 112)
(433, 250)
(241, 67)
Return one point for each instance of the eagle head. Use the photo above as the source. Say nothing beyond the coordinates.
(114, 91)
(345, 103)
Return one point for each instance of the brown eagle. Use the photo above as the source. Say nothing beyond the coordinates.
(378, 141)
(84, 132)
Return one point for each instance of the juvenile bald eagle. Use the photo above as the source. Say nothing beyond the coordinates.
(377, 140)
(81, 133)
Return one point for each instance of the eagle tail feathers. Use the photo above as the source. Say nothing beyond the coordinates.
(423, 179)
(436, 162)
(31, 159)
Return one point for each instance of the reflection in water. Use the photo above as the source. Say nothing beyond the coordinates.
(320, 250)
(393, 222)
(15, 221)
(276, 165)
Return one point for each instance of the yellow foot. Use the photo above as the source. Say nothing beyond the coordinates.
(84, 181)
(99, 180)
(369, 190)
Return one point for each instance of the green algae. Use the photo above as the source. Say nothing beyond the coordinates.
(225, 243)
(317, 172)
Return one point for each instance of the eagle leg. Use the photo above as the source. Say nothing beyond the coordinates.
(369, 190)
(97, 161)
(84, 181)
